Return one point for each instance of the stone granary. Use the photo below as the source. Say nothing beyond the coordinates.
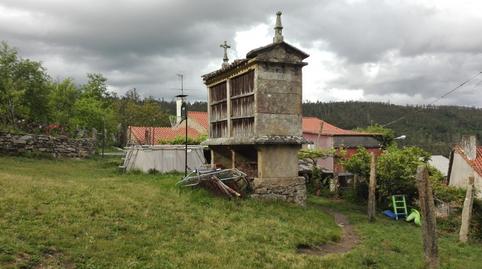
(254, 108)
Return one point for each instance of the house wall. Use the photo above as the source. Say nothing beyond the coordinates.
(460, 173)
(322, 141)
(192, 123)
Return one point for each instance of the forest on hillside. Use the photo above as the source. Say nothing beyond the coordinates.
(433, 128)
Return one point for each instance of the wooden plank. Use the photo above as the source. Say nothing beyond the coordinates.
(429, 223)
(371, 189)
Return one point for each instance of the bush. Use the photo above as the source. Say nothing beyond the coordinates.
(359, 163)
(396, 171)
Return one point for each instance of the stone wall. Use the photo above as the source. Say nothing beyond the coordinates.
(61, 146)
(292, 190)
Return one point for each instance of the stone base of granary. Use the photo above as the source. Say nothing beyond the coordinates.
(291, 189)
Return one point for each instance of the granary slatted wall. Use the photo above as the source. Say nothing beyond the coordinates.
(242, 104)
(219, 109)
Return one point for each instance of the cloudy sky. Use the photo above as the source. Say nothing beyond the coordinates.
(409, 51)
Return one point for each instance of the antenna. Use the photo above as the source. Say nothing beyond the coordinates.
(181, 76)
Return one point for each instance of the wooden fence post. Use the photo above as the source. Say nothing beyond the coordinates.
(467, 211)
(429, 223)
(371, 189)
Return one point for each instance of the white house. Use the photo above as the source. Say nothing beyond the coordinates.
(466, 161)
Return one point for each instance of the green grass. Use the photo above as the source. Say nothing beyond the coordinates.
(84, 214)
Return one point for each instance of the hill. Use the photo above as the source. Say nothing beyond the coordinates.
(434, 128)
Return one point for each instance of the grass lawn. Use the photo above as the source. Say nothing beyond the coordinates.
(83, 214)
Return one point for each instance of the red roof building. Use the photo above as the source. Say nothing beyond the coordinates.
(313, 125)
(326, 135)
(144, 135)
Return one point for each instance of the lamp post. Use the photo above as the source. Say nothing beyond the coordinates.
(183, 96)
(401, 139)
(184, 117)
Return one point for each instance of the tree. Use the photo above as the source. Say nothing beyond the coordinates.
(358, 163)
(96, 87)
(131, 110)
(89, 113)
(396, 169)
(63, 96)
(9, 93)
(33, 80)
(23, 88)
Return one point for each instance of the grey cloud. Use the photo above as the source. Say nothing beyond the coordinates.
(143, 44)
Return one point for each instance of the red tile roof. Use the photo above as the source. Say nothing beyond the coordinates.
(312, 125)
(138, 133)
(200, 117)
(475, 164)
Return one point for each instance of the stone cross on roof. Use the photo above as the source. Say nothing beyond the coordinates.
(225, 46)
(278, 28)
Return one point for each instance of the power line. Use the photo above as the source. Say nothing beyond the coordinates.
(440, 98)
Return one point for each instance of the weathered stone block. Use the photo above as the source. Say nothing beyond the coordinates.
(290, 189)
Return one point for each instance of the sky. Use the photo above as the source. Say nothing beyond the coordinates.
(402, 52)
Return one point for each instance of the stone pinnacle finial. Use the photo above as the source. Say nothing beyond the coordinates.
(278, 29)
(225, 46)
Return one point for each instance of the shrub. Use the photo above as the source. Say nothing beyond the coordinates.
(396, 171)
(359, 163)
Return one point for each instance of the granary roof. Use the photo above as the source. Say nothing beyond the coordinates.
(312, 125)
(236, 63)
(476, 164)
(253, 53)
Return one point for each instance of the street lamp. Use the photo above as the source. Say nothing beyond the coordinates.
(184, 117)
(182, 97)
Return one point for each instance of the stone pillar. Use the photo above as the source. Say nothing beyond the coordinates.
(467, 212)
(277, 175)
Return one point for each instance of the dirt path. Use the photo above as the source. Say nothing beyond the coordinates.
(349, 239)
